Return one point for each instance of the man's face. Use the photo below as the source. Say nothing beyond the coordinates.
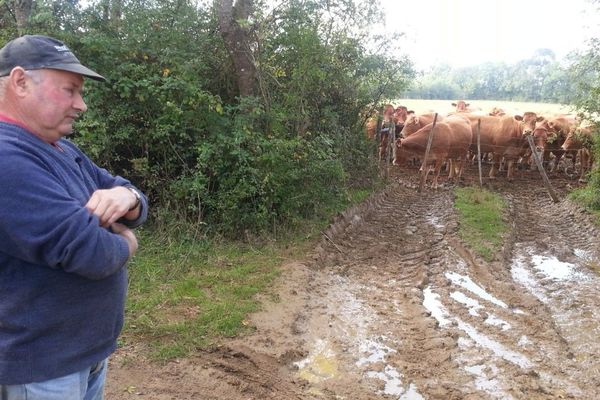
(54, 102)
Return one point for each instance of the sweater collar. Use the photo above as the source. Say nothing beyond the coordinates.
(9, 120)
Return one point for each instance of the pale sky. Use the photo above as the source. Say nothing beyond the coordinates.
(470, 32)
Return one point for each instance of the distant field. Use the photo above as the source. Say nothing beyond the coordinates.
(514, 107)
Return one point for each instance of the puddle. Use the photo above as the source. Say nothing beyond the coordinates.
(434, 306)
(557, 270)
(472, 304)
(376, 352)
(393, 384)
(521, 275)
(320, 365)
(431, 302)
(349, 335)
(524, 341)
(435, 221)
(467, 283)
(495, 321)
(584, 255)
(497, 348)
(485, 381)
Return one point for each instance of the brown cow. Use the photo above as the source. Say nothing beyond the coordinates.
(451, 140)
(371, 126)
(415, 122)
(386, 129)
(497, 112)
(581, 139)
(461, 106)
(504, 137)
(549, 136)
(400, 117)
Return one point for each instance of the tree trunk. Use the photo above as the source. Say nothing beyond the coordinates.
(22, 14)
(116, 12)
(235, 30)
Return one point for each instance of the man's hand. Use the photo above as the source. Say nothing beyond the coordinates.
(128, 234)
(111, 204)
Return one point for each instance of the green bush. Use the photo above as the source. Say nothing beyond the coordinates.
(170, 117)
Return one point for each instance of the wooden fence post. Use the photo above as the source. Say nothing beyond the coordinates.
(540, 166)
(424, 165)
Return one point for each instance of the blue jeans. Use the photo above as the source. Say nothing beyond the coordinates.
(87, 384)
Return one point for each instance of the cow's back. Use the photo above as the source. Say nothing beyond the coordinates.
(489, 127)
(460, 135)
(414, 123)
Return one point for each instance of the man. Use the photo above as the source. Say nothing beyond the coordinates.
(65, 232)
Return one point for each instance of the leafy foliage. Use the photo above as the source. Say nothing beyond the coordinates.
(170, 117)
(586, 74)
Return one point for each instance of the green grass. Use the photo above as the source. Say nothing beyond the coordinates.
(481, 223)
(187, 294)
(588, 197)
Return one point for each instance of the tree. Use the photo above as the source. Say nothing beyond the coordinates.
(16, 15)
(235, 28)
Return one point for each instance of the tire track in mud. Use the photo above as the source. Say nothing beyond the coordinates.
(554, 258)
(393, 305)
(408, 312)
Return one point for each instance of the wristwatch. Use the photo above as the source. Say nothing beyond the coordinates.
(138, 198)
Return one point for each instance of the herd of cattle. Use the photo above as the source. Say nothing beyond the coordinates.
(502, 138)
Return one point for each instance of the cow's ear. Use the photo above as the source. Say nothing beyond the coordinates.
(467, 104)
(518, 118)
(410, 112)
(539, 119)
(416, 120)
(453, 104)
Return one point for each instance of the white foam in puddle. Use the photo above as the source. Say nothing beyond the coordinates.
(435, 221)
(393, 384)
(486, 383)
(434, 306)
(472, 304)
(431, 302)
(495, 321)
(521, 275)
(497, 348)
(467, 283)
(583, 254)
(557, 270)
(375, 351)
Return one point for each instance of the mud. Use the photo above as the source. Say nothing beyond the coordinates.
(391, 304)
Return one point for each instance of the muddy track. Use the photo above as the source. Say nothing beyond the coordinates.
(393, 305)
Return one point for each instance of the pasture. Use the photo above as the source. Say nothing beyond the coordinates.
(443, 107)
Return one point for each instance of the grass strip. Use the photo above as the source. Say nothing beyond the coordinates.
(481, 220)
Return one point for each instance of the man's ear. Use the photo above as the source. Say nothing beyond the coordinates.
(19, 81)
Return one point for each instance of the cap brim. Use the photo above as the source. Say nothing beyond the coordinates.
(79, 69)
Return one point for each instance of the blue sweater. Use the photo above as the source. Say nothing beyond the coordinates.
(63, 278)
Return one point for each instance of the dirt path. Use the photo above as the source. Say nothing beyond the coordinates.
(393, 305)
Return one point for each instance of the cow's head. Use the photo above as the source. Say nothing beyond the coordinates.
(578, 137)
(528, 121)
(388, 112)
(411, 125)
(400, 115)
(497, 112)
(461, 106)
(541, 135)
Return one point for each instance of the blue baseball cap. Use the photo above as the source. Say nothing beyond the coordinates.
(41, 52)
